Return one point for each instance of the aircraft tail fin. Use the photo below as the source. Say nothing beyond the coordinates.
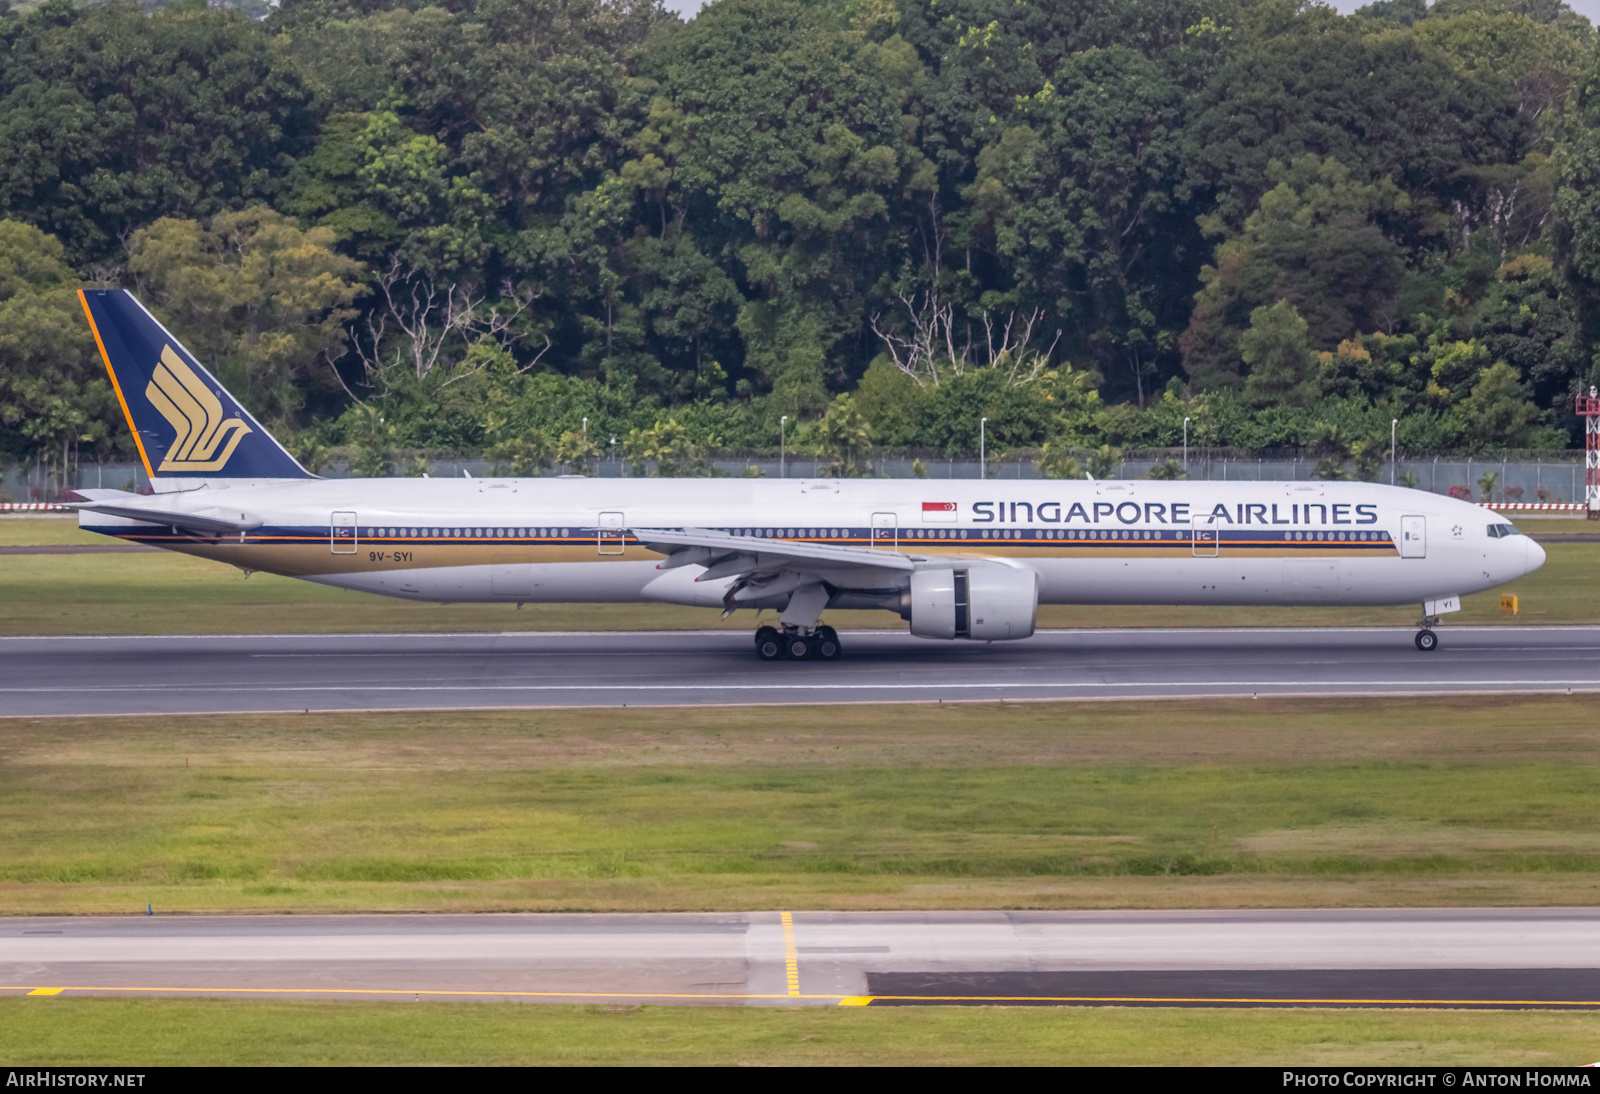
(184, 422)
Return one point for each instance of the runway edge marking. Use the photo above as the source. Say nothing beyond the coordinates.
(1186, 697)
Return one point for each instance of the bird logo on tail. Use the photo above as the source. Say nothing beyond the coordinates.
(196, 415)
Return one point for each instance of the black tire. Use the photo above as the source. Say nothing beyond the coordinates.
(796, 648)
(764, 633)
(827, 644)
(769, 646)
(1427, 641)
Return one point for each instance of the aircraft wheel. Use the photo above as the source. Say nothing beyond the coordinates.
(769, 644)
(827, 644)
(1427, 641)
(796, 648)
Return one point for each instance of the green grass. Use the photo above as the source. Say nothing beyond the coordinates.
(1038, 805)
(175, 594)
(130, 1034)
(47, 531)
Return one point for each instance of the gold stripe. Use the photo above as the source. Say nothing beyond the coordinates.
(300, 556)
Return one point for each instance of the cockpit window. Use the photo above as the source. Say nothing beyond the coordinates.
(1500, 531)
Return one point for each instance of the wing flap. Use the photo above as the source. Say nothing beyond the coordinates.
(768, 553)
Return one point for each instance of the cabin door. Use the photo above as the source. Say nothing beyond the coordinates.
(613, 537)
(885, 532)
(342, 536)
(1413, 537)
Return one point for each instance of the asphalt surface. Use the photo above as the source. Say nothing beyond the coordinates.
(194, 674)
(1545, 958)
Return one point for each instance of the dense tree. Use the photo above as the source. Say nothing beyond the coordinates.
(1316, 240)
(110, 119)
(1307, 82)
(1085, 222)
(1576, 228)
(54, 399)
(259, 300)
(793, 147)
(1081, 204)
(1276, 350)
(1055, 132)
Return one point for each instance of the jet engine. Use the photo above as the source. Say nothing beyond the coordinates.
(986, 602)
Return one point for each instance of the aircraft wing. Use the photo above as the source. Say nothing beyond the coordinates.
(214, 522)
(725, 555)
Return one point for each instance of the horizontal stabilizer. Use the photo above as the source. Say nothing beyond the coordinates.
(212, 521)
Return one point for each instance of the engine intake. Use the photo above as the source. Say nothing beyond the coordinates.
(986, 602)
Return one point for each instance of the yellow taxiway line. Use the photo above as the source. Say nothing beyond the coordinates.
(840, 1000)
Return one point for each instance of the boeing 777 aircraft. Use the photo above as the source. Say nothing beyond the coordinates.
(956, 559)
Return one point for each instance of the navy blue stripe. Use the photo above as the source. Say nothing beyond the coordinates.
(1072, 537)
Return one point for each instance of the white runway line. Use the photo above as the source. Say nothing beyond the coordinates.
(161, 689)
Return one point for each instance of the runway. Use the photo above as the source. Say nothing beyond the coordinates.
(248, 673)
(1495, 958)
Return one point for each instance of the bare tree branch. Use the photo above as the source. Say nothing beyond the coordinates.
(930, 350)
(418, 320)
(934, 343)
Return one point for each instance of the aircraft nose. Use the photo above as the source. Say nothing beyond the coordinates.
(1535, 557)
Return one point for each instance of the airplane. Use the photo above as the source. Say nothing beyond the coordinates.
(956, 559)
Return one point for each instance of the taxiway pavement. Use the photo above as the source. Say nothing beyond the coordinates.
(1545, 958)
(255, 673)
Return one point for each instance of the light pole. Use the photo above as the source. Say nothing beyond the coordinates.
(983, 462)
(586, 430)
(783, 436)
(1186, 444)
(1392, 423)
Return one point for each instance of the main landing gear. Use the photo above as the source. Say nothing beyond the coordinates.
(1427, 640)
(798, 644)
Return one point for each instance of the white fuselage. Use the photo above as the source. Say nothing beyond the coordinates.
(1110, 542)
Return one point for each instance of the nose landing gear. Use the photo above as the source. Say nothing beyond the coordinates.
(798, 644)
(1427, 639)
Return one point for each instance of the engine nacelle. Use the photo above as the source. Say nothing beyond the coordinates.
(986, 602)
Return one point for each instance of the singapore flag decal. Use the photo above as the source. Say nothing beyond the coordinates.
(938, 512)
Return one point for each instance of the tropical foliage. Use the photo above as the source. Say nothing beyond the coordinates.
(548, 230)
